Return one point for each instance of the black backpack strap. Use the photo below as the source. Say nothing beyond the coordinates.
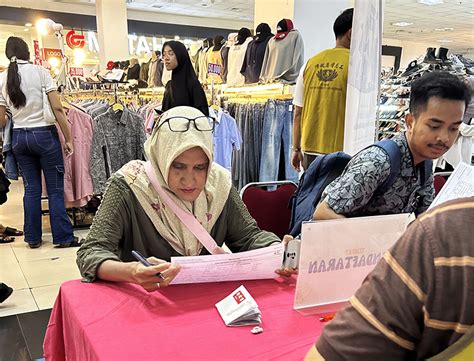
(426, 171)
(395, 156)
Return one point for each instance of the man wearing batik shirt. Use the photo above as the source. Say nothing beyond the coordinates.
(418, 302)
(437, 104)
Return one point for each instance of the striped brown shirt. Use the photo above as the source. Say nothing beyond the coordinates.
(418, 300)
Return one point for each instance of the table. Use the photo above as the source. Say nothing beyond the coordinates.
(121, 321)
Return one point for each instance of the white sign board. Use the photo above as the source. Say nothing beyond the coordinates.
(460, 184)
(337, 255)
(364, 76)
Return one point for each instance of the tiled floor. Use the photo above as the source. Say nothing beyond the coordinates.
(35, 275)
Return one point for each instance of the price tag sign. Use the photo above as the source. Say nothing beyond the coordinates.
(214, 69)
(76, 71)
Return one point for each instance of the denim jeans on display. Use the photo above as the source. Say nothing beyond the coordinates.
(38, 149)
(277, 133)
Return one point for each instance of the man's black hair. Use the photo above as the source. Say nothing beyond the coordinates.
(438, 84)
(343, 22)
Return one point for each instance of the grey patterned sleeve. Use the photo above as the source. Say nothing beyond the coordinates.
(426, 194)
(356, 185)
(102, 242)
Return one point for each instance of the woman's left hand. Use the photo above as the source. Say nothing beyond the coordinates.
(286, 272)
(68, 149)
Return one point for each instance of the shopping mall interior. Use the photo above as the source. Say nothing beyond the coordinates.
(92, 47)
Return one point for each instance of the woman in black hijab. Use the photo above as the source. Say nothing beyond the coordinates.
(184, 87)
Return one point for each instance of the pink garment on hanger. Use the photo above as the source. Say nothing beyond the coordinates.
(78, 189)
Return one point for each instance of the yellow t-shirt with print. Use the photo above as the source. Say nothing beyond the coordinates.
(324, 106)
(215, 57)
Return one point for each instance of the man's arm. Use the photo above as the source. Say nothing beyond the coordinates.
(297, 155)
(3, 114)
(355, 187)
(314, 355)
(324, 212)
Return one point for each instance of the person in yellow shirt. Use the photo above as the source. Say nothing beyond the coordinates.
(320, 98)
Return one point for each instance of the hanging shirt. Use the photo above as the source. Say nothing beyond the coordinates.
(324, 101)
(226, 137)
(283, 58)
(202, 76)
(214, 57)
(118, 138)
(225, 62)
(253, 61)
(78, 189)
(235, 61)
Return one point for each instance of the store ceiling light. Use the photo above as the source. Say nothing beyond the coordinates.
(445, 41)
(48, 26)
(29, 24)
(402, 23)
(430, 2)
(444, 29)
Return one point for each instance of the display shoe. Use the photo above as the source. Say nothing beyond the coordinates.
(412, 68)
(443, 55)
(430, 55)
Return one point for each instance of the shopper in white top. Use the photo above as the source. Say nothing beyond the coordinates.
(35, 142)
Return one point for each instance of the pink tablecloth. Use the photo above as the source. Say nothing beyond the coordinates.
(112, 321)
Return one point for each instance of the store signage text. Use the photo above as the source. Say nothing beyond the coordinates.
(52, 53)
(137, 44)
(75, 41)
(37, 52)
(76, 71)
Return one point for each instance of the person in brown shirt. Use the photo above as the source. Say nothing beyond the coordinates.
(418, 301)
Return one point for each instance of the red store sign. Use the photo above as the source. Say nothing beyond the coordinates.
(52, 53)
(75, 41)
(37, 52)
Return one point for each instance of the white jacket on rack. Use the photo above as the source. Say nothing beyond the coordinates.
(235, 61)
(283, 58)
(202, 76)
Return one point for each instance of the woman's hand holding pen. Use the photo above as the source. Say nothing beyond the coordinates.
(147, 276)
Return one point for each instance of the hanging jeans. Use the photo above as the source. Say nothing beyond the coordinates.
(38, 149)
(277, 133)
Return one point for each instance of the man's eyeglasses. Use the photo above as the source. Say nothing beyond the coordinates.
(181, 124)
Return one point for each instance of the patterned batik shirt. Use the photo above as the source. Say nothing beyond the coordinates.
(354, 192)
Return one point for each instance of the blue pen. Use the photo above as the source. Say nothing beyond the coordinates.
(144, 262)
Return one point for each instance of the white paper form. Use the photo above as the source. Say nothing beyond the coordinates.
(251, 265)
(460, 184)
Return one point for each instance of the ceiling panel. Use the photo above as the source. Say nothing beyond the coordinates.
(456, 14)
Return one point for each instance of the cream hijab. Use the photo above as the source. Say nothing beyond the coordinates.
(161, 149)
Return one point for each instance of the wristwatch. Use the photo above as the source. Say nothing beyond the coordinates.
(295, 149)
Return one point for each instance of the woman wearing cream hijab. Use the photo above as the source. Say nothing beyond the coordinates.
(133, 216)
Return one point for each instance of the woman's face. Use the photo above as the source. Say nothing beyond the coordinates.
(188, 174)
(169, 57)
